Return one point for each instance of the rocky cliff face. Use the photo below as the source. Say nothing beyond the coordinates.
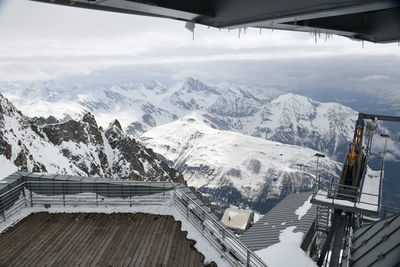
(76, 147)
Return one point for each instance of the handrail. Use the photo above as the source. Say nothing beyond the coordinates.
(334, 192)
(59, 192)
(250, 256)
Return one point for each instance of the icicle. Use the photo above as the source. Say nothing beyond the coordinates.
(239, 32)
(244, 30)
(362, 44)
(326, 36)
(260, 30)
(272, 25)
(190, 26)
(315, 36)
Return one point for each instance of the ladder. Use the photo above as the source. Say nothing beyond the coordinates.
(323, 218)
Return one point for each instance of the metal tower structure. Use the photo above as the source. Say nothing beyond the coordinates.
(342, 206)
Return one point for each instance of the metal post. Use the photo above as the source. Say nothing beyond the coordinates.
(97, 195)
(328, 240)
(349, 247)
(30, 195)
(63, 189)
(222, 243)
(24, 195)
(338, 241)
(202, 222)
(108, 189)
(187, 208)
(386, 136)
(2, 208)
(317, 175)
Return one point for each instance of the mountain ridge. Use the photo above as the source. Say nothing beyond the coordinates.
(140, 106)
(77, 148)
(229, 167)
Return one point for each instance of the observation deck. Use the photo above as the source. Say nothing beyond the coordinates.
(30, 196)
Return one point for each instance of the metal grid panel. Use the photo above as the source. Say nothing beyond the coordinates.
(267, 230)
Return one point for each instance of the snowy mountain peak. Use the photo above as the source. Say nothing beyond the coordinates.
(154, 86)
(190, 85)
(7, 108)
(89, 118)
(115, 126)
(292, 97)
(296, 104)
(235, 102)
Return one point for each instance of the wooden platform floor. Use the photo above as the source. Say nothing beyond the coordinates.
(80, 239)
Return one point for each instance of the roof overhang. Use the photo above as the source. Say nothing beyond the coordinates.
(370, 20)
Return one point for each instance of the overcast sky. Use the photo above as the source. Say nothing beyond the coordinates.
(43, 41)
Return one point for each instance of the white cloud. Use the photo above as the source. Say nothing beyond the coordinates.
(53, 38)
(22, 72)
(375, 78)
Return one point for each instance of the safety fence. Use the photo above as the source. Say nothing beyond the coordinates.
(122, 193)
(231, 248)
(332, 193)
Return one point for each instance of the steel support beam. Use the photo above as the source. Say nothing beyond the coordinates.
(371, 20)
(338, 241)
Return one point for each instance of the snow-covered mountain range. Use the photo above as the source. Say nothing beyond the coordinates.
(74, 147)
(138, 106)
(229, 167)
(224, 138)
(265, 113)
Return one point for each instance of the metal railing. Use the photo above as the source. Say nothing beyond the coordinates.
(12, 202)
(118, 192)
(231, 248)
(334, 193)
(128, 193)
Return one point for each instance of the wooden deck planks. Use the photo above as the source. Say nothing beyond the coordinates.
(140, 239)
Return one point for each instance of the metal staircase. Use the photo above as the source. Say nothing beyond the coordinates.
(323, 218)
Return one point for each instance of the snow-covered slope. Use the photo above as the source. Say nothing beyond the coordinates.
(234, 168)
(290, 119)
(75, 147)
